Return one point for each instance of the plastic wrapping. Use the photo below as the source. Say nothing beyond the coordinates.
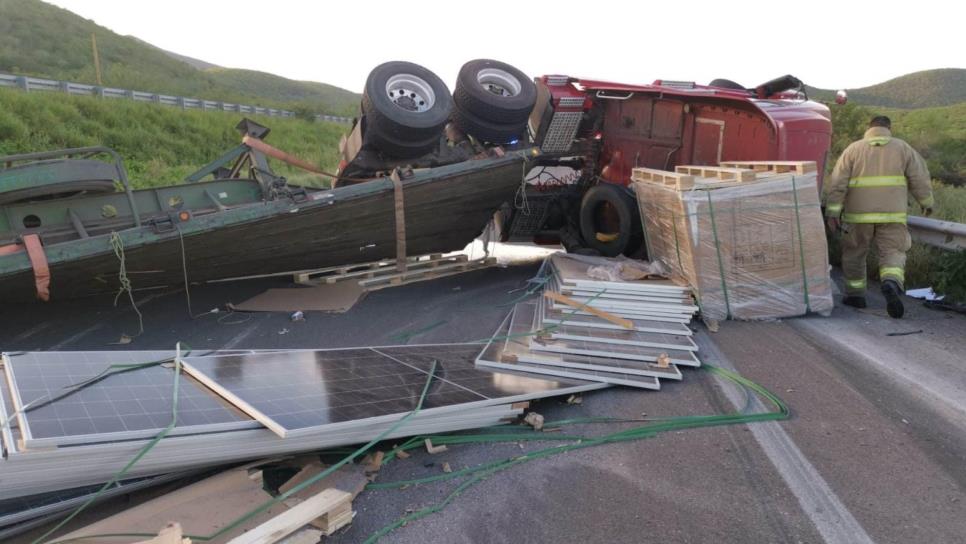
(619, 268)
(749, 250)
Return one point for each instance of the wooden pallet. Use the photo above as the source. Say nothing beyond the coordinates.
(372, 269)
(674, 180)
(778, 167)
(717, 172)
(394, 278)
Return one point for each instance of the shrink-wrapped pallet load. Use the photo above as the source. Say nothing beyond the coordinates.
(747, 237)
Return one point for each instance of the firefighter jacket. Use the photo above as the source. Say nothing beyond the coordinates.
(872, 178)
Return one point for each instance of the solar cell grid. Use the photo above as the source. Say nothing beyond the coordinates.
(125, 405)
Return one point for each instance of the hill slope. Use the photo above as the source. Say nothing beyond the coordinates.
(160, 144)
(42, 40)
(926, 89)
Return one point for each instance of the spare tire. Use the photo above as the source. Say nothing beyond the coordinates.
(610, 221)
(495, 92)
(406, 108)
(486, 131)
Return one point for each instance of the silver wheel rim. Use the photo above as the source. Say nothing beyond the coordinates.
(499, 82)
(411, 93)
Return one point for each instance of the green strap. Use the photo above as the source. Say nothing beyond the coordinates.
(801, 245)
(717, 248)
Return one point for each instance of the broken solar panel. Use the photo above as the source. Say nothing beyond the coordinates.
(302, 392)
(122, 406)
(560, 317)
(568, 331)
(572, 271)
(523, 314)
(509, 344)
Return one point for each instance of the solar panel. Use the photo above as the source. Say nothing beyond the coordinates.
(300, 392)
(128, 405)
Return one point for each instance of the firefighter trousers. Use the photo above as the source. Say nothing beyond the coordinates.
(892, 241)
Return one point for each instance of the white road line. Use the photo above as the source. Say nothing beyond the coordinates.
(237, 339)
(74, 338)
(822, 506)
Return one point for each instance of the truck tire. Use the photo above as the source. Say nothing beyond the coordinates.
(407, 104)
(495, 92)
(610, 221)
(487, 131)
(726, 84)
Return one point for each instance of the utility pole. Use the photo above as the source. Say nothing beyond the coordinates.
(97, 60)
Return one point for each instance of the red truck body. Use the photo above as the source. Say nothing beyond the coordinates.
(614, 127)
(665, 124)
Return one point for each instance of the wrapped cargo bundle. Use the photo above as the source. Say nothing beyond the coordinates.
(750, 243)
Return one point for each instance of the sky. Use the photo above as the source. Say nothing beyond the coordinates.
(827, 44)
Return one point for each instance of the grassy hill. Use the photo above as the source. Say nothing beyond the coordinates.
(42, 40)
(160, 144)
(926, 89)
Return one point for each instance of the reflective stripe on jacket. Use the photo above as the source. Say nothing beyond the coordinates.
(872, 180)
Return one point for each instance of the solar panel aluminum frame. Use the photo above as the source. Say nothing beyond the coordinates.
(597, 375)
(8, 444)
(121, 488)
(510, 329)
(604, 336)
(27, 441)
(75, 466)
(595, 322)
(638, 286)
(284, 432)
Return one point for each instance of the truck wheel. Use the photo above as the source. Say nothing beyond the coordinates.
(487, 131)
(610, 221)
(404, 102)
(726, 84)
(495, 91)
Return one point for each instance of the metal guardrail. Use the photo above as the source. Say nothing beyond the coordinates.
(937, 233)
(31, 84)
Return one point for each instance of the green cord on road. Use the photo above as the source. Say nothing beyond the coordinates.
(481, 472)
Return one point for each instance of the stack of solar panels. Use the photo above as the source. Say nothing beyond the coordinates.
(548, 337)
(236, 406)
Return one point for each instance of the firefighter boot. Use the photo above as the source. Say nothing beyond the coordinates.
(855, 301)
(893, 296)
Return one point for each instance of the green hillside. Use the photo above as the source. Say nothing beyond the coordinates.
(42, 40)
(926, 89)
(160, 144)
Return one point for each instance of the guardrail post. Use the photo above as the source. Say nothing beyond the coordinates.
(23, 83)
(64, 86)
(180, 101)
(156, 98)
(99, 92)
(129, 95)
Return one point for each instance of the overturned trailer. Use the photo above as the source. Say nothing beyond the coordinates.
(67, 233)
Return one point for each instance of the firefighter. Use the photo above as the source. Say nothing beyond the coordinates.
(866, 197)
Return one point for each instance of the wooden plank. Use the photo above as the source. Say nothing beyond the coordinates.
(411, 276)
(662, 177)
(563, 299)
(288, 522)
(717, 172)
(778, 167)
(368, 270)
(171, 534)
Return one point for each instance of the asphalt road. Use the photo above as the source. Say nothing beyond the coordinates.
(874, 451)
